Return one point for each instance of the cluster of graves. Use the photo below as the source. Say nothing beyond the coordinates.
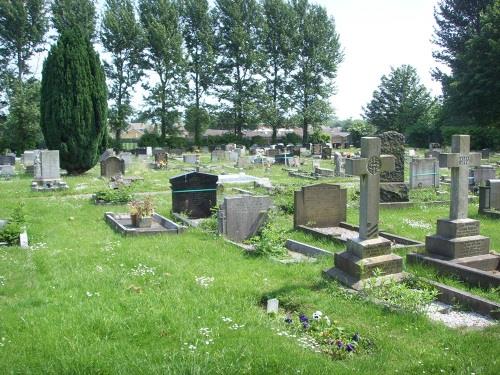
(320, 209)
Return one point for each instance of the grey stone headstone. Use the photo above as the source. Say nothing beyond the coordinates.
(28, 158)
(112, 166)
(339, 164)
(127, 157)
(106, 154)
(495, 194)
(240, 217)
(7, 170)
(424, 173)
(190, 158)
(484, 173)
(49, 165)
(233, 156)
(218, 155)
(272, 306)
(321, 206)
(23, 240)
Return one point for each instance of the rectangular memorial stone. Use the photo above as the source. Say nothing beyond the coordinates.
(112, 166)
(240, 217)
(424, 173)
(127, 157)
(7, 170)
(484, 173)
(218, 155)
(320, 206)
(316, 149)
(194, 193)
(7, 159)
(49, 165)
(495, 194)
(191, 158)
(326, 153)
(393, 143)
(28, 158)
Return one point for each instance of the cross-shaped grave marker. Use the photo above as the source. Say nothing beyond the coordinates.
(459, 161)
(368, 168)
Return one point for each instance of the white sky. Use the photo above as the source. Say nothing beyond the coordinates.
(375, 35)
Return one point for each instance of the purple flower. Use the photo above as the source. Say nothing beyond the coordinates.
(340, 344)
(349, 347)
(356, 337)
(303, 318)
(288, 319)
(305, 325)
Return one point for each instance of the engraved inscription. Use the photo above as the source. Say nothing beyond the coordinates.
(474, 248)
(469, 229)
(374, 164)
(463, 160)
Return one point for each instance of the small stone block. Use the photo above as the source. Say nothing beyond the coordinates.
(457, 247)
(365, 268)
(356, 167)
(369, 248)
(272, 306)
(23, 240)
(457, 228)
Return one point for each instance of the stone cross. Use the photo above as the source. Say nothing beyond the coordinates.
(459, 161)
(368, 168)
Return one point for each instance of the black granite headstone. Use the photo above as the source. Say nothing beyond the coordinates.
(194, 193)
(7, 159)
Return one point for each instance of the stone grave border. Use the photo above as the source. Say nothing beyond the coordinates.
(403, 242)
(473, 276)
(169, 226)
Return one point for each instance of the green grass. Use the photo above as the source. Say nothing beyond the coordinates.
(72, 303)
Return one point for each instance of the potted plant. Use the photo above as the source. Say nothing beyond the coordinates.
(141, 213)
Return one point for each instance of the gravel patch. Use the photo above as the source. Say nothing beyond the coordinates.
(445, 314)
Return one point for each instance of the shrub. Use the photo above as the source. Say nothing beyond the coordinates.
(116, 196)
(10, 232)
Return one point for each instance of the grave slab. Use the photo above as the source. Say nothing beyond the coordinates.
(123, 223)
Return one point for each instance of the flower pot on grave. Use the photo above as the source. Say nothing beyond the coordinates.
(145, 222)
(135, 220)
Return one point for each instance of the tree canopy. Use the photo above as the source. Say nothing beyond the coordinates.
(401, 103)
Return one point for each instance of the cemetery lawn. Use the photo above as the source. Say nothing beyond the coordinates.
(84, 299)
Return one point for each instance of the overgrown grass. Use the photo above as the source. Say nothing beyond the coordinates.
(84, 299)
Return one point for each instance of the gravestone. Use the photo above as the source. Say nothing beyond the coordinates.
(149, 151)
(218, 155)
(112, 166)
(458, 225)
(484, 173)
(127, 158)
(8, 159)
(434, 150)
(194, 193)
(283, 158)
(316, 149)
(272, 152)
(47, 175)
(339, 164)
(326, 153)
(233, 155)
(106, 154)
(295, 150)
(28, 158)
(368, 253)
(161, 156)
(320, 206)
(392, 187)
(485, 153)
(243, 162)
(7, 170)
(458, 240)
(424, 172)
(191, 158)
(240, 217)
(489, 197)
(230, 147)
